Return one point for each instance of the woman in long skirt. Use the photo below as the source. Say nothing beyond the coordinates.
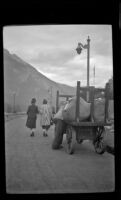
(46, 115)
(32, 116)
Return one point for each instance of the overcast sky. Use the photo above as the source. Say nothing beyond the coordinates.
(51, 50)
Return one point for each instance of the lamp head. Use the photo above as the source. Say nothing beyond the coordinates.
(79, 49)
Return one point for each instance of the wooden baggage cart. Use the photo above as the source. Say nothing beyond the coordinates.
(77, 131)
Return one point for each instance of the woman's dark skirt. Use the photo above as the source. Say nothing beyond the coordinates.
(31, 122)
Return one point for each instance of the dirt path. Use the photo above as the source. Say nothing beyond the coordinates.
(33, 167)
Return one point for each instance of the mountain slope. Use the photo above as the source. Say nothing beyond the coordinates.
(26, 82)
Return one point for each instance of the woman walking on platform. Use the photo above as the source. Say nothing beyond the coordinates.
(46, 115)
(32, 116)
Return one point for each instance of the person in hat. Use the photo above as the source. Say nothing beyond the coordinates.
(46, 116)
(32, 112)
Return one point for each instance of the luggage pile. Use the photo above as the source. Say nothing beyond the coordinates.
(68, 111)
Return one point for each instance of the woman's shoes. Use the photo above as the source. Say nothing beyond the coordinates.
(32, 134)
(45, 134)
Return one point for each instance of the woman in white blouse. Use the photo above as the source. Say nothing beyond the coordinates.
(46, 115)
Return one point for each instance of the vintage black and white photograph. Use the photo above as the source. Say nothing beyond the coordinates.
(59, 108)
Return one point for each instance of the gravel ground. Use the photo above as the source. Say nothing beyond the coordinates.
(33, 167)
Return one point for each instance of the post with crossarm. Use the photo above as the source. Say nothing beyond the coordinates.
(14, 96)
(79, 49)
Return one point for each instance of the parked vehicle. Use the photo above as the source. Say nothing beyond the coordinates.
(77, 131)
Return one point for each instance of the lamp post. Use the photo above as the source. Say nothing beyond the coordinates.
(79, 49)
(88, 59)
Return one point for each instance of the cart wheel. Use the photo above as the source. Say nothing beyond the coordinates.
(99, 141)
(70, 139)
